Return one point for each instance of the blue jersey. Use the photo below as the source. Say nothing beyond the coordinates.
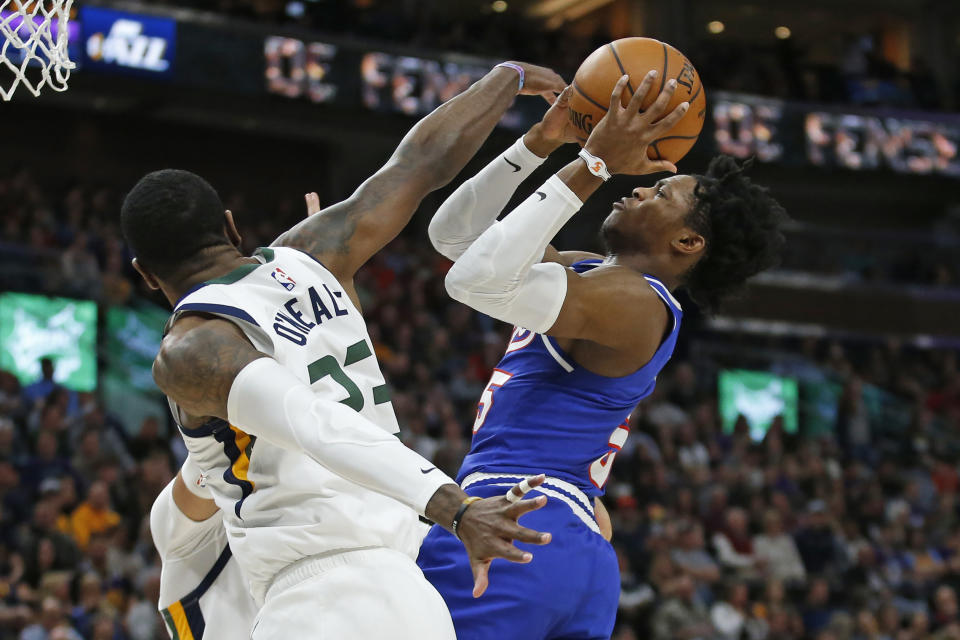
(543, 413)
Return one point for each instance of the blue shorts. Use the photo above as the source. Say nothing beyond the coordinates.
(569, 591)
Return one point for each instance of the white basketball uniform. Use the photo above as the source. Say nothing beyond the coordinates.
(203, 594)
(288, 519)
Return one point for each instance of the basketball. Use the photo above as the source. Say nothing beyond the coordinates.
(596, 77)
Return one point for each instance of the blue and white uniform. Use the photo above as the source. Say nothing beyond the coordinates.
(543, 413)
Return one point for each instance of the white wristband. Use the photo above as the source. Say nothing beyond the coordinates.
(595, 165)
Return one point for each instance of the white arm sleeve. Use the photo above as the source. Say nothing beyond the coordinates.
(174, 534)
(193, 479)
(501, 274)
(476, 203)
(268, 401)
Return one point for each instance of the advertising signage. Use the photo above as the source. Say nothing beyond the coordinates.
(215, 56)
(64, 330)
(121, 42)
(836, 136)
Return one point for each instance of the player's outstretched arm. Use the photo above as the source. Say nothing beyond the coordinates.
(209, 368)
(475, 205)
(499, 274)
(347, 234)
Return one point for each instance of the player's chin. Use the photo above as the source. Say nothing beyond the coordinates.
(612, 219)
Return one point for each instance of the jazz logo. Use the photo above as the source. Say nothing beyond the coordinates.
(127, 46)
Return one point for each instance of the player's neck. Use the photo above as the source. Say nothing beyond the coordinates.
(211, 264)
(651, 265)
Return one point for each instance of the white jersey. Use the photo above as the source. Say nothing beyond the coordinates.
(281, 506)
(203, 594)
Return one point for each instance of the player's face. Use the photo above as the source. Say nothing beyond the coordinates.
(650, 217)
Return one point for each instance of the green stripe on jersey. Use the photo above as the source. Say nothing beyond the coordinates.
(357, 352)
(382, 394)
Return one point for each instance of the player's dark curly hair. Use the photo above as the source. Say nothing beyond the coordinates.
(169, 217)
(741, 223)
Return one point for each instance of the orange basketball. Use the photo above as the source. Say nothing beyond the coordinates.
(598, 74)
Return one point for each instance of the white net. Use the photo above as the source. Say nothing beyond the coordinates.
(34, 46)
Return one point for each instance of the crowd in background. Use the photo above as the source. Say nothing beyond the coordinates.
(847, 69)
(850, 535)
(68, 241)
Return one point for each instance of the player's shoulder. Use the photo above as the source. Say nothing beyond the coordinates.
(645, 303)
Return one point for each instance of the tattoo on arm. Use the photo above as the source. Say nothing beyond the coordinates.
(344, 236)
(198, 362)
(326, 234)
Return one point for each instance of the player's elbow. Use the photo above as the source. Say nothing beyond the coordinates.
(437, 237)
(457, 282)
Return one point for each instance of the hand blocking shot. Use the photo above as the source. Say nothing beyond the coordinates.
(591, 334)
(280, 400)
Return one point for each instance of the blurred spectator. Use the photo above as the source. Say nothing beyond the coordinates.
(691, 554)
(815, 541)
(43, 387)
(52, 624)
(729, 615)
(817, 611)
(734, 546)
(778, 551)
(682, 615)
(94, 515)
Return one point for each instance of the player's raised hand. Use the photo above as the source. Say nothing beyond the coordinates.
(554, 130)
(621, 138)
(540, 81)
(490, 526)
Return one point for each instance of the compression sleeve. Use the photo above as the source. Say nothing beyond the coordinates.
(501, 274)
(174, 534)
(268, 401)
(476, 203)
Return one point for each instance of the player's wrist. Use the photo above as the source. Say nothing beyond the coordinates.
(517, 70)
(595, 164)
(579, 180)
(444, 505)
(539, 144)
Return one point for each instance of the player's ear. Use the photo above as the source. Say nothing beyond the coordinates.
(148, 277)
(689, 242)
(230, 227)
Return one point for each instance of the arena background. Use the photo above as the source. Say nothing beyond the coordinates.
(795, 474)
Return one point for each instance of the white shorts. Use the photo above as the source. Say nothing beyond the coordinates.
(362, 594)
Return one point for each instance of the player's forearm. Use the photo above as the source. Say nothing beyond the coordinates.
(268, 401)
(444, 141)
(476, 203)
(499, 274)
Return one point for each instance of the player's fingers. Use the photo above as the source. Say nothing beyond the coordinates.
(660, 104)
(662, 165)
(481, 578)
(557, 83)
(672, 118)
(523, 487)
(500, 548)
(313, 203)
(516, 510)
(523, 534)
(550, 97)
(618, 92)
(564, 98)
(642, 91)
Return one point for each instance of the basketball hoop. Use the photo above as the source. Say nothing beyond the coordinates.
(35, 36)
